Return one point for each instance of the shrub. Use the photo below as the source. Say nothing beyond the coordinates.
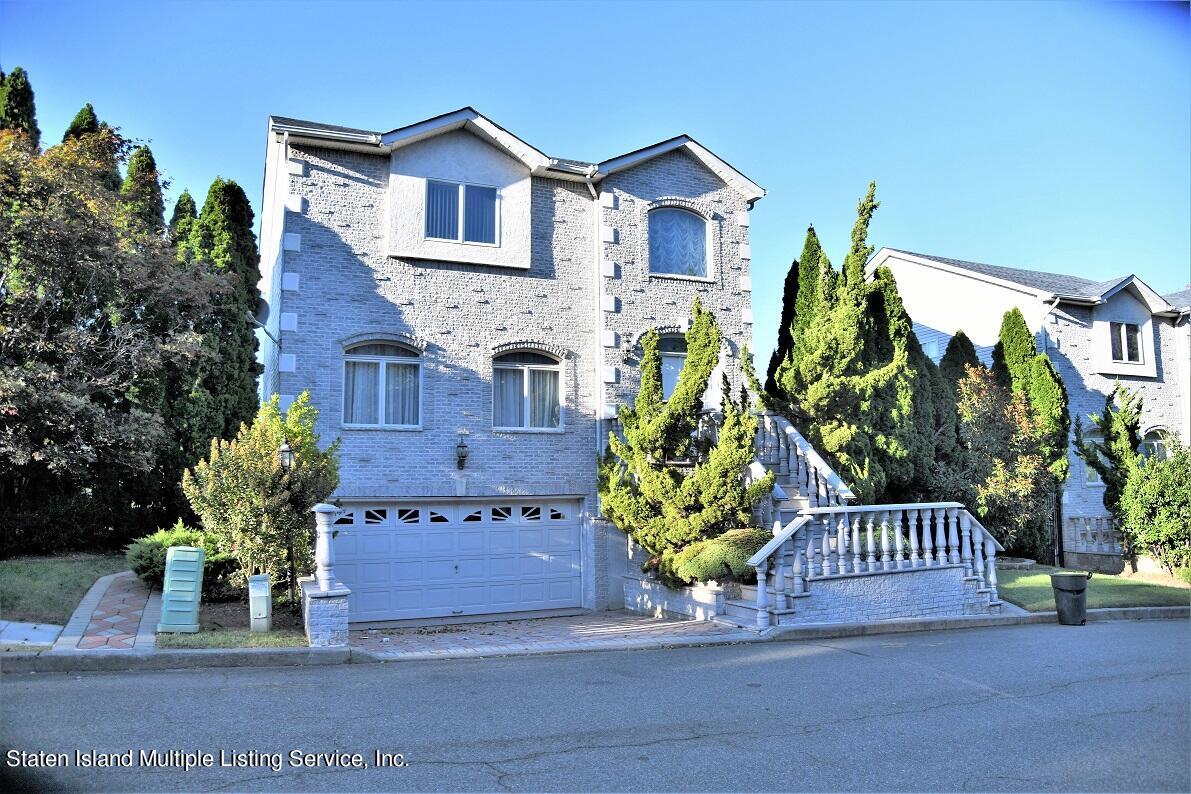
(251, 508)
(1156, 506)
(718, 558)
(146, 557)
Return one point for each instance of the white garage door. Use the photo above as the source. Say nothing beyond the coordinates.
(439, 559)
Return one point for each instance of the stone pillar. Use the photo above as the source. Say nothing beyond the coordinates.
(324, 598)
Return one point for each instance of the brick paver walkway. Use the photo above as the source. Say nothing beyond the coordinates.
(604, 630)
(115, 621)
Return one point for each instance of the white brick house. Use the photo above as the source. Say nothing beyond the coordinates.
(446, 284)
(1096, 333)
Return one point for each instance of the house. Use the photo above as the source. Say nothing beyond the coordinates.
(1096, 334)
(465, 312)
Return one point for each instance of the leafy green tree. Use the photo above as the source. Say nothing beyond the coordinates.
(224, 395)
(648, 489)
(959, 355)
(91, 311)
(141, 191)
(17, 108)
(1116, 453)
(1156, 505)
(182, 219)
(255, 510)
(85, 122)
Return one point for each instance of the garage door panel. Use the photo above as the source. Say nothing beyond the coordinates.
(441, 559)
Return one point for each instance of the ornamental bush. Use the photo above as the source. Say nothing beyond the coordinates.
(146, 558)
(720, 558)
(253, 509)
(654, 484)
(1156, 504)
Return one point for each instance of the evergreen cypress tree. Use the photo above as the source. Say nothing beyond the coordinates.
(141, 191)
(858, 255)
(1014, 351)
(85, 122)
(669, 508)
(785, 330)
(17, 108)
(814, 298)
(959, 355)
(225, 395)
(181, 220)
(1117, 452)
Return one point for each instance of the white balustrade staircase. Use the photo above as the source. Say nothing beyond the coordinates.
(831, 561)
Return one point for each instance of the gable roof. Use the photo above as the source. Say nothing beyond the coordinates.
(538, 163)
(1180, 299)
(1045, 285)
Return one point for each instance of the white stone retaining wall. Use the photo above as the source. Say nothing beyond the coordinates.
(646, 596)
(861, 598)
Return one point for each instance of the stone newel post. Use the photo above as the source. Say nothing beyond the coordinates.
(324, 598)
(324, 554)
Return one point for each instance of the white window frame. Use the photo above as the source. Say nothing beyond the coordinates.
(462, 205)
(380, 361)
(1141, 358)
(525, 404)
(683, 356)
(709, 258)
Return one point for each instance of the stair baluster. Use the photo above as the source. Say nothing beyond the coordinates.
(928, 554)
(965, 543)
(870, 546)
(856, 544)
(914, 520)
(978, 555)
(952, 536)
(990, 564)
(886, 559)
(841, 542)
(899, 543)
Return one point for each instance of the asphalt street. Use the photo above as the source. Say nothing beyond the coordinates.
(1105, 707)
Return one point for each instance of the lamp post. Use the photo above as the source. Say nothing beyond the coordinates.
(285, 456)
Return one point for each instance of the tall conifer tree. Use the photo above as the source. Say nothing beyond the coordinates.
(959, 355)
(785, 330)
(182, 219)
(18, 111)
(141, 191)
(85, 122)
(225, 395)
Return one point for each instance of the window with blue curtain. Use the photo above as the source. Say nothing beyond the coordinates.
(677, 243)
(442, 210)
(479, 214)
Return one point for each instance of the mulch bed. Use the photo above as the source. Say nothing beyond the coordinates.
(234, 615)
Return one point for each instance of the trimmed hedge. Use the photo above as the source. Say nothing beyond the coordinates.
(718, 558)
(146, 557)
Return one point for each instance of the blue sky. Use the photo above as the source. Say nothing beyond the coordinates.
(1054, 136)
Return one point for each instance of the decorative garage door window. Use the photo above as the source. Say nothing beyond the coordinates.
(457, 557)
(677, 243)
(525, 392)
(382, 386)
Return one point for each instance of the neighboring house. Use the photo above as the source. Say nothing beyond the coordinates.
(445, 287)
(1096, 333)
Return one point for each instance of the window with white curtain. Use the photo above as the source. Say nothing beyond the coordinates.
(1154, 445)
(461, 212)
(677, 242)
(673, 350)
(526, 391)
(382, 386)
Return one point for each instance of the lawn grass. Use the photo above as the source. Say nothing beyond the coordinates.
(1031, 590)
(233, 638)
(47, 589)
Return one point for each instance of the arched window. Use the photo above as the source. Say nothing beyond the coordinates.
(673, 350)
(677, 242)
(382, 385)
(1154, 444)
(1090, 475)
(525, 391)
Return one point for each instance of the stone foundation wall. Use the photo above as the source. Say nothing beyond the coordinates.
(324, 614)
(917, 593)
(645, 596)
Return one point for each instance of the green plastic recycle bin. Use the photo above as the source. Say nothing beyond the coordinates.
(1071, 596)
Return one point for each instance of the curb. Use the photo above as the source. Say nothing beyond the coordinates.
(138, 660)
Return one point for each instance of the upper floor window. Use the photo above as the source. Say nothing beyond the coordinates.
(677, 242)
(1126, 342)
(382, 385)
(1154, 445)
(673, 350)
(525, 391)
(459, 212)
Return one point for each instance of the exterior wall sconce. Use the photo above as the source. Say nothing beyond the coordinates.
(461, 450)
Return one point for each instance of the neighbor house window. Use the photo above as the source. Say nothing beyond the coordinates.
(382, 385)
(462, 213)
(677, 242)
(673, 350)
(1126, 342)
(525, 391)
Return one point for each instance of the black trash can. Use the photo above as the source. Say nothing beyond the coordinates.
(1071, 597)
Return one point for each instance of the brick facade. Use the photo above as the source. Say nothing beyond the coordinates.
(341, 286)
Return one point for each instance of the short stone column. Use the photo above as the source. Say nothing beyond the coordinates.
(324, 597)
